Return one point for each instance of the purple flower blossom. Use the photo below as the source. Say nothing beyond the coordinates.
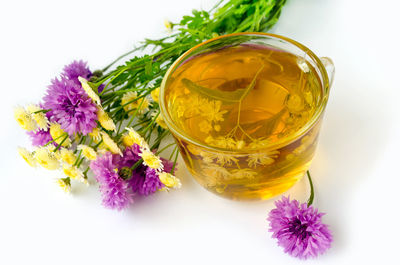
(116, 192)
(151, 183)
(168, 165)
(144, 180)
(76, 69)
(299, 229)
(70, 106)
(40, 137)
(116, 185)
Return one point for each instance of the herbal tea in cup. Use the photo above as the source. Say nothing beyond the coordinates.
(245, 110)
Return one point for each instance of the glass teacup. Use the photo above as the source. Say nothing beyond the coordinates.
(245, 110)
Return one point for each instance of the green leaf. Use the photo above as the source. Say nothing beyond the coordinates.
(148, 69)
(226, 96)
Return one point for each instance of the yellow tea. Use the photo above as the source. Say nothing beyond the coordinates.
(234, 104)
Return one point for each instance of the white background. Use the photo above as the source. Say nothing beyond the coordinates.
(355, 169)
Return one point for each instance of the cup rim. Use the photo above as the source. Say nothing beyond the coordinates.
(273, 146)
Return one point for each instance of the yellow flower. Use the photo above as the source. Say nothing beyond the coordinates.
(259, 143)
(226, 159)
(240, 144)
(95, 134)
(222, 141)
(134, 138)
(294, 103)
(87, 151)
(169, 180)
(89, 91)
(205, 126)
(243, 173)
(221, 158)
(130, 102)
(59, 135)
(40, 117)
(127, 140)
(52, 148)
(27, 156)
(155, 94)
(25, 119)
(161, 122)
(151, 160)
(64, 184)
(194, 105)
(73, 172)
(110, 144)
(300, 149)
(226, 142)
(105, 120)
(67, 156)
(212, 111)
(214, 35)
(46, 158)
(168, 25)
(219, 172)
(262, 158)
(290, 157)
(207, 157)
(194, 149)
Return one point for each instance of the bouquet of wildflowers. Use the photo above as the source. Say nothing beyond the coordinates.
(72, 131)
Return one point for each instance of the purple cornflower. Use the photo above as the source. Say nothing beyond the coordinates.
(70, 106)
(168, 165)
(40, 137)
(151, 183)
(75, 69)
(119, 180)
(116, 192)
(144, 180)
(299, 229)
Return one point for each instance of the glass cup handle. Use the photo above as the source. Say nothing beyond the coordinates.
(330, 68)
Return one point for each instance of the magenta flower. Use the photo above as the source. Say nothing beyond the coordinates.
(116, 192)
(168, 165)
(144, 180)
(299, 229)
(70, 106)
(119, 180)
(151, 183)
(40, 137)
(76, 69)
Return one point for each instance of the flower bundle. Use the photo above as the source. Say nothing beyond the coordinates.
(73, 132)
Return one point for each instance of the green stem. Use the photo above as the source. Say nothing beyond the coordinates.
(150, 124)
(173, 152)
(79, 157)
(140, 161)
(311, 198)
(42, 110)
(122, 56)
(176, 159)
(52, 141)
(112, 79)
(134, 114)
(59, 146)
(98, 144)
(165, 147)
